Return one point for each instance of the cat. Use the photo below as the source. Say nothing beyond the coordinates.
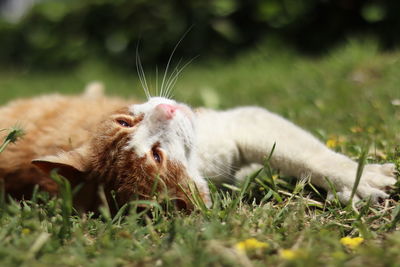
(132, 149)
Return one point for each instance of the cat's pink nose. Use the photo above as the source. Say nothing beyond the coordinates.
(167, 111)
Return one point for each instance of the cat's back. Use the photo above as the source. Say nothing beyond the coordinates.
(56, 120)
(51, 123)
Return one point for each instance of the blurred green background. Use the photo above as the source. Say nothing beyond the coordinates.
(64, 33)
(306, 60)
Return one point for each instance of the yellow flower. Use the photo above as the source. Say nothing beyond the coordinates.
(335, 141)
(332, 143)
(351, 242)
(291, 254)
(26, 231)
(250, 244)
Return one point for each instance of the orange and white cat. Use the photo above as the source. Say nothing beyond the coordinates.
(127, 146)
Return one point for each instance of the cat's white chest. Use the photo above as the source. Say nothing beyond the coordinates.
(218, 152)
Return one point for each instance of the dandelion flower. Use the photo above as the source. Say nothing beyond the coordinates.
(291, 254)
(331, 143)
(251, 244)
(351, 242)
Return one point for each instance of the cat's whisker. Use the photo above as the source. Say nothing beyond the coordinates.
(167, 68)
(228, 172)
(167, 92)
(222, 174)
(172, 82)
(141, 74)
(164, 81)
(144, 82)
(157, 92)
(174, 77)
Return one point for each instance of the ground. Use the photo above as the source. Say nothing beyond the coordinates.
(349, 98)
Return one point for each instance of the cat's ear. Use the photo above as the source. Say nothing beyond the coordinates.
(70, 164)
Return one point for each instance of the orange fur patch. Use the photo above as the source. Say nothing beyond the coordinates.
(55, 124)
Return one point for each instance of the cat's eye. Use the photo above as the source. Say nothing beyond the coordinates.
(157, 156)
(124, 123)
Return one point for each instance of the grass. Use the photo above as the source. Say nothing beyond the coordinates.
(348, 98)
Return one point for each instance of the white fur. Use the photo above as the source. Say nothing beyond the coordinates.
(176, 137)
(241, 136)
(215, 144)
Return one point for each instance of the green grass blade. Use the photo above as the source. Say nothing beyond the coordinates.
(118, 217)
(65, 194)
(360, 168)
(12, 137)
(395, 218)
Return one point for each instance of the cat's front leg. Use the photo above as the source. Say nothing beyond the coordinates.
(298, 153)
(342, 171)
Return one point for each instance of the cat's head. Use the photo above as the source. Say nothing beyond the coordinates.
(139, 150)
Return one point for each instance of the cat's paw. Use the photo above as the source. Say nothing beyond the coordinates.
(375, 181)
(388, 169)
